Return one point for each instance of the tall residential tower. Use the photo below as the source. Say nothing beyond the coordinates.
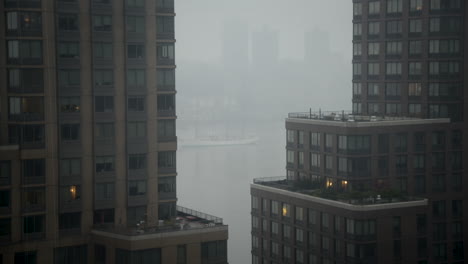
(386, 182)
(87, 137)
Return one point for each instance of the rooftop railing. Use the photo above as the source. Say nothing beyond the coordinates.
(347, 116)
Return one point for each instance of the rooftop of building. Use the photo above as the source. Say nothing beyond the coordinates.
(353, 200)
(348, 119)
(187, 221)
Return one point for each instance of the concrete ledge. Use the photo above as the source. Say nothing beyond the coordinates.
(342, 205)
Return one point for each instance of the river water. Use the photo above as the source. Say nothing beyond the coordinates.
(216, 180)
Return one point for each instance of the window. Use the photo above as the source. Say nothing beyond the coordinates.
(357, 68)
(401, 142)
(299, 214)
(357, 88)
(136, 24)
(136, 77)
(69, 50)
(68, 22)
(357, 49)
(315, 140)
(393, 68)
(357, 9)
(438, 208)
(164, 24)
(357, 108)
(394, 27)
(135, 51)
(69, 77)
(325, 220)
(166, 128)
(136, 215)
(104, 130)
(33, 224)
(136, 104)
(373, 89)
(168, 185)
(136, 129)
(29, 136)
(26, 108)
(33, 168)
(165, 5)
(70, 193)
(414, 109)
(103, 50)
(286, 211)
(415, 68)
(104, 191)
(373, 108)
(24, 23)
(136, 188)
(102, 23)
(105, 216)
(70, 104)
(70, 221)
(444, 68)
(401, 163)
(181, 254)
(394, 48)
(70, 167)
(24, 51)
(103, 77)
(415, 26)
(5, 172)
(374, 8)
(416, 5)
(71, 255)
(394, 6)
(354, 144)
(373, 68)
(315, 160)
(357, 29)
(440, 251)
(215, 250)
(444, 46)
(419, 183)
(445, 25)
(70, 132)
(5, 199)
(299, 235)
(165, 78)
(5, 228)
(104, 104)
(25, 80)
(374, 28)
(166, 159)
(166, 102)
(104, 164)
(415, 47)
(373, 48)
(135, 3)
(165, 51)
(414, 89)
(26, 257)
(136, 161)
(393, 90)
(457, 208)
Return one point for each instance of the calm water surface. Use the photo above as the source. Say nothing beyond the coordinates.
(216, 180)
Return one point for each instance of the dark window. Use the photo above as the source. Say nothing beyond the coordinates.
(457, 208)
(104, 164)
(167, 185)
(70, 131)
(68, 22)
(5, 199)
(438, 208)
(165, 25)
(136, 161)
(33, 199)
(104, 104)
(167, 211)
(34, 168)
(102, 23)
(166, 159)
(136, 24)
(29, 108)
(71, 255)
(148, 256)
(166, 128)
(5, 172)
(24, 23)
(103, 50)
(136, 129)
(136, 104)
(25, 80)
(24, 51)
(421, 224)
(439, 231)
(104, 191)
(456, 160)
(5, 227)
(165, 5)
(457, 182)
(105, 216)
(69, 77)
(103, 77)
(136, 77)
(458, 250)
(438, 183)
(401, 142)
(420, 184)
(135, 51)
(166, 102)
(182, 254)
(104, 130)
(26, 257)
(70, 221)
(70, 104)
(438, 161)
(214, 251)
(165, 78)
(136, 214)
(33, 224)
(165, 51)
(457, 138)
(70, 167)
(135, 3)
(69, 50)
(99, 254)
(136, 188)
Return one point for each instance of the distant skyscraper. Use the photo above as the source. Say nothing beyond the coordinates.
(264, 49)
(386, 182)
(88, 143)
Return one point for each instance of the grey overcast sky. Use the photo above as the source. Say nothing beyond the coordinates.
(199, 24)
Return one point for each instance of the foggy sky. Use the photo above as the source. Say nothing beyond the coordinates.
(199, 24)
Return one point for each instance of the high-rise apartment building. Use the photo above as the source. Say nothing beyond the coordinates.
(87, 137)
(386, 182)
